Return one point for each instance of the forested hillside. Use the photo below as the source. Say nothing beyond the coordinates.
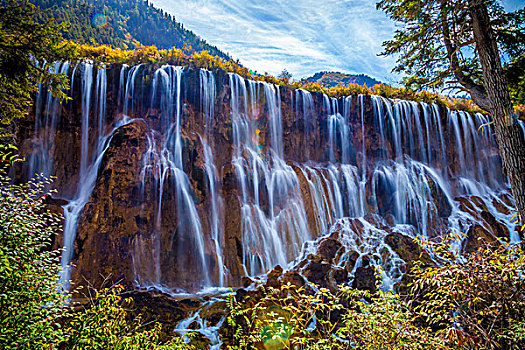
(122, 23)
(330, 79)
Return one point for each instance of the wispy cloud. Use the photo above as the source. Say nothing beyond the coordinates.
(302, 36)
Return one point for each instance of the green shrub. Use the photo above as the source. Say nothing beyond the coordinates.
(105, 324)
(291, 318)
(477, 301)
(474, 301)
(30, 301)
(34, 313)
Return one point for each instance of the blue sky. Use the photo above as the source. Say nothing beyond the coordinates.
(303, 36)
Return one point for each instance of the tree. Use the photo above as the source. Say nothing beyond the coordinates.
(455, 44)
(516, 79)
(26, 47)
(285, 76)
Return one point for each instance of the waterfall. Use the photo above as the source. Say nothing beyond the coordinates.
(128, 100)
(163, 167)
(338, 133)
(300, 166)
(122, 98)
(208, 95)
(211, 332)
(42, 161)
(308, 113)
(74, 208)
(89, 166)
(406, 178)
(86, 83)
(216, 218)
(274, 226)
(369, 241)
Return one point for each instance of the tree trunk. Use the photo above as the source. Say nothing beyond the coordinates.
(508, 132)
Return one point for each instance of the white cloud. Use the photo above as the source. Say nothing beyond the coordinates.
(303, 36)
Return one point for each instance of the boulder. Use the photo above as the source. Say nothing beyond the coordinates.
(365, 279)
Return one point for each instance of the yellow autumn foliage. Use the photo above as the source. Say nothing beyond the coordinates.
(185, 56)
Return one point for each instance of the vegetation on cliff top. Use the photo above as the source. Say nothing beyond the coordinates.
(333, 79)
(105, 54)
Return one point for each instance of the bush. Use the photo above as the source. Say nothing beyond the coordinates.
(34, 313)
(30, 301)
(477, 300)
(105, 324)
(311, 319)
(474, 301)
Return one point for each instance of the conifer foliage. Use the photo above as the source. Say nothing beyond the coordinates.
(122, 24)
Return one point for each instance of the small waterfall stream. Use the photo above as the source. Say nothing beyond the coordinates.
(46, 127)
(216, 219)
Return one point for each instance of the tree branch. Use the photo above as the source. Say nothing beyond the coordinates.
(477, 92)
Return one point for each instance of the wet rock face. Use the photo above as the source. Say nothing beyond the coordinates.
(114, 215)
(347, 255)
(136, 224)
(485, 229)
(365, 279)
(329, 249)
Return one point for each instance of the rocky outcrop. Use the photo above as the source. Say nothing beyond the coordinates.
(114, 214)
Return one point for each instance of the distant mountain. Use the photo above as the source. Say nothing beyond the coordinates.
(330, 79)
(122, 23)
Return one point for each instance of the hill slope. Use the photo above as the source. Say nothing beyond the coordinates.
(122, 23)
(330, 79)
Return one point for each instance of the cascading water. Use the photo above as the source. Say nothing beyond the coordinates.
(128, 100)
(86, 82)
(42, 161)
(337, 128)
(208, 95)
(216, 219)
(90, 160)
(211, 332)
(163, 171)
(274, 223)
(216, 223)
(305, 100)
(407, 177)
(418, 167)
(92, 148)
